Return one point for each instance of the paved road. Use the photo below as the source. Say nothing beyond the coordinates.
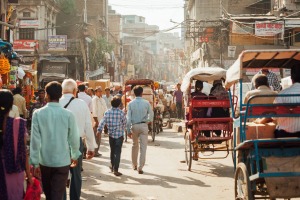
(165, 176)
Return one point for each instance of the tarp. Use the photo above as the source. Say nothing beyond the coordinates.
(206, 74)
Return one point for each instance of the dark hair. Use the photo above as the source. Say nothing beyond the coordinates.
(6, 103)
(115, 102)
(41, 90)
(17, 90)
(120, 92)
(138, 91)
(295, 74)
(198, 84)
(260, 79)
(54, 90)
(81, 87)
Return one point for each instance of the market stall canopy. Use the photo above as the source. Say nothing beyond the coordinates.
(55, 59)
(261, 59)
(205, 74)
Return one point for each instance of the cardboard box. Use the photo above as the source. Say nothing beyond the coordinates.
(258, 131)
(101, 82)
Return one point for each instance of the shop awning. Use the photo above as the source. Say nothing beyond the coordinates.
(54, 59)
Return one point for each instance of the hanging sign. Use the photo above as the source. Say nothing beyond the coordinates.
(268, 28)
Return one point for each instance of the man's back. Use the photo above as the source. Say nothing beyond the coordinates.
(87, 99)
(56, 129)
(261, 90)
(289, 124)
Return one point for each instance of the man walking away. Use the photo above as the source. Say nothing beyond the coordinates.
(178, 95)
(54, 137)
(99, 108)
(83, 96)
(139, 115)
(20, 102)
(115, 120)
(83, 120)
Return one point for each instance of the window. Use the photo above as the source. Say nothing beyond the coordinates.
(26, 33)
(297, 36)
(26, 14)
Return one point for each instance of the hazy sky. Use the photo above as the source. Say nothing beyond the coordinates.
(156, 12)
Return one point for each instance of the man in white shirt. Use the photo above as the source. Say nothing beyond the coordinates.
(107, 97)
(99, 108)
(83, 96)
(289, 126)
(14, 112)
(83, 120)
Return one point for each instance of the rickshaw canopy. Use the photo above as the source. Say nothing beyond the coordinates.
(279, 58)
(205, 74)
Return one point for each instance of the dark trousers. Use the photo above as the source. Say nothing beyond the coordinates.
(283, 133)
(76, 180)
(179, 110)
(54, 180)
(115, 152)
(98, 140)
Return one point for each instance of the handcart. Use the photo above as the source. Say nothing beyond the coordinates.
(265, 167)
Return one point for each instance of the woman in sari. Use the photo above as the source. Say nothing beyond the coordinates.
(13, 156)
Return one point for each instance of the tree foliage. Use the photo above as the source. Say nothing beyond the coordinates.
(97, 49)
(67, 6)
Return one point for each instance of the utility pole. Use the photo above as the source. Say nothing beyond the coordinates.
(87, 65)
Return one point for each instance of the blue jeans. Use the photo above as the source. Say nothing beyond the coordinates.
(115, 152)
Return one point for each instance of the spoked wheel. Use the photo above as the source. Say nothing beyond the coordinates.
(188, 151)
(242, 187)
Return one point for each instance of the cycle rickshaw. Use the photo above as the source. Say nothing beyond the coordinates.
(264, 167)
(149, 95)
(195, 140)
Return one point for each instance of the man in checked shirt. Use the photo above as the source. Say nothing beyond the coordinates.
(115, 119)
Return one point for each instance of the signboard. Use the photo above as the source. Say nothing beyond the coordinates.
(203, 39)
(268, 28)
(29, 23)
(130, 70)
(54, 69)
(57, 43)
(292, 23)
(25, 45)
(231, 51)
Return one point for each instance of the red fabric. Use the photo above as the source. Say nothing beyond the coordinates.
(33, 191)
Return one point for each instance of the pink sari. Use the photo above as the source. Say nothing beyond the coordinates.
(14, 181)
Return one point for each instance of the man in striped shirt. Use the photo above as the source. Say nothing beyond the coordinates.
(115, 119)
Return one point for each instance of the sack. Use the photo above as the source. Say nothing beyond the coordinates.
(34, 191)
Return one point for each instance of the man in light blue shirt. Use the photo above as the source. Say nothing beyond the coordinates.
(54, 137)
(139, 115)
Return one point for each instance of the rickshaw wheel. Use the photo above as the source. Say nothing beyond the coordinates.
(188, 151)
(242, 187)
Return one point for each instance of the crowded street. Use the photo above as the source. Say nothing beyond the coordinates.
(165, 174)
